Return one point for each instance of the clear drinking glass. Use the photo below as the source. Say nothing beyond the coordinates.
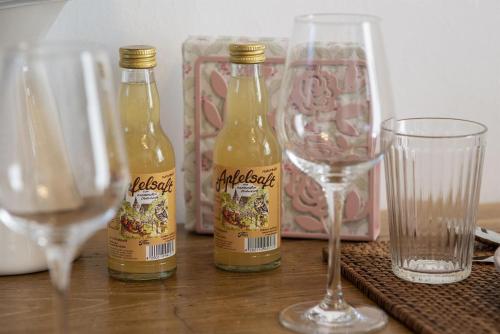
(335, 97)
(63, 167)
(433, 175)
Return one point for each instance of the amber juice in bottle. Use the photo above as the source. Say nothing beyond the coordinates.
(247, 171)
(141, 238)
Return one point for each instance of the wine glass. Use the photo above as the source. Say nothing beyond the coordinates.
(335, 100)
(63, 168)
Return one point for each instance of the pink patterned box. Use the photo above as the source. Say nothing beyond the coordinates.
(206, 71)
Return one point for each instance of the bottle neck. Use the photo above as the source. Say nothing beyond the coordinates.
(247, 95)
(139, 76)
(139, 101)
(246, 71)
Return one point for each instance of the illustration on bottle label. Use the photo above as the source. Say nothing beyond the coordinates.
(144, 227)
(247, 208)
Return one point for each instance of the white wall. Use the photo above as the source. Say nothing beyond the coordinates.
(444, 56)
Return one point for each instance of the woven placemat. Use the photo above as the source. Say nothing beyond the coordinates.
(470, 306)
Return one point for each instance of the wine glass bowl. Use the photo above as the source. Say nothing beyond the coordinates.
(63, 167)
(334, 124)
(329, 96)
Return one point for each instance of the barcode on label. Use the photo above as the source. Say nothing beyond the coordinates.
(260, 244)
(161, 251)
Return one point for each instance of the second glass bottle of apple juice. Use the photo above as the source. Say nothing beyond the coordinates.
(247, 171)
(141, 239)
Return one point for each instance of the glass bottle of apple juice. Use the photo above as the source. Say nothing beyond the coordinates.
(247, 171)
(141, 238)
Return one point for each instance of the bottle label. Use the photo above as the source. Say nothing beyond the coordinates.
(144, 227)
(247, 208)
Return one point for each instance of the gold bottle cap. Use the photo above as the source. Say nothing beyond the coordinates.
(137, 56)
(247, 53)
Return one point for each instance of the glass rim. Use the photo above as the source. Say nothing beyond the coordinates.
(52, 48)
(8, 4)
(482, 131)
(336, 18)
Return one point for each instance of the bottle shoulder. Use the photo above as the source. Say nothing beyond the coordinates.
(249, 147)
(149, 152)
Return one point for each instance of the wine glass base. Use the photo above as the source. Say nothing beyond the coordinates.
(308, 317)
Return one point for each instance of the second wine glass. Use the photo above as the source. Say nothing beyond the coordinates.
(63, 167)
(335, 100)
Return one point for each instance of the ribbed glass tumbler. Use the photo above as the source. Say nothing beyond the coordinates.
(433, 176)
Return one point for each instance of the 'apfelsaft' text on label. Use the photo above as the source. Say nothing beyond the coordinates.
(247, 208)
(144, 228)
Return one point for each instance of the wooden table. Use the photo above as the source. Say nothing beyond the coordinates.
(198, 299)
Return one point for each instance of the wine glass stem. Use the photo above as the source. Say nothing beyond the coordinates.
(59, 259)
(334, 298)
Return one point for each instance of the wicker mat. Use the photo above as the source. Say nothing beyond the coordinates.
(470, 306)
